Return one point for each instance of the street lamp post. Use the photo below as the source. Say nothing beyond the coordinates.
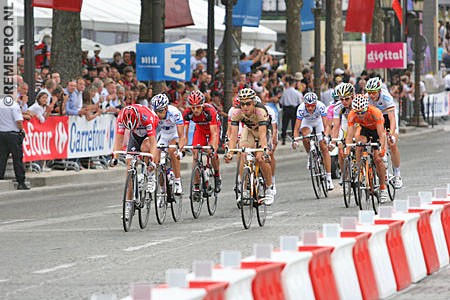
(227, 41)
(419, 50)
(386, 5)
(317, 11)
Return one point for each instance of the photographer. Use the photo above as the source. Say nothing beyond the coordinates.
(59, 107)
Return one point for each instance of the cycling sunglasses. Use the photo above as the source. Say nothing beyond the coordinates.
(361, 112)
(246, 103)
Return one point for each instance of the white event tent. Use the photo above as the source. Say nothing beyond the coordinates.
(117, 16)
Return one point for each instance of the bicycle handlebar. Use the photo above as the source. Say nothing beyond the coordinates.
(199, 147)
(167, 146)
(307, 136)
(363, 145)
(133, 153)
(247, 150)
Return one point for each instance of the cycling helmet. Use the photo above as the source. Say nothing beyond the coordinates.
(345, 90)
(360, 103)
(310, 98)
(236, 101)
(258, 100)
(160, 101)
(334, 96)
(247, 93)
(196, 98)
(374, 84)
(130, 117)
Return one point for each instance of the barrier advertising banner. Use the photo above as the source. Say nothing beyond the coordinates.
(45, 141)
(92, 138)
(437, 105)
(386, 56)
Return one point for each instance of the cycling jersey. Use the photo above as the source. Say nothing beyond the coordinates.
(148, 122)
(259, 117)
(272, 114)
(369, 120)
(319, 112)
(202, 122)
(230, 114)
(384, 103)
(341, 112)
(167, 127)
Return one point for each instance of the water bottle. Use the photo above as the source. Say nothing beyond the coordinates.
(140, 177)
(162, 160)
(170, 176)
(261, 193)
(385, 161)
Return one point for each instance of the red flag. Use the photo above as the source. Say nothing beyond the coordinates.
(397, 7)
(68, 5)
(359, 15)
(178, 14)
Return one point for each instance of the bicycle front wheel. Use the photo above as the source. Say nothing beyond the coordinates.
(323, 174)
(315, 173)
(129, 194)
(145, 201)
(347, 181)
(261, 208)
(390, 178)
(176, 205)
(374, 187)
(364, 192)
(196, 195)
(160, 194)
(247, 198)
(237, 184)
(211, 195)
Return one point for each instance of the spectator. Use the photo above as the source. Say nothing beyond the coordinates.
(40, 109)
(11, 135)
(50, 85)
(74, 105)
(56, 77)
(118, 62)
(128, 77)
(142, 94)
(96, 60)
(290, 99)
(197, 59)
(126, 60)
(60, 105)
(246, 62)
(84, 59)
(22, 96)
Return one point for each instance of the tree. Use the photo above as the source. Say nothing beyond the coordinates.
(377, 34)
(66, 44)
(337, 35)
(294, 35)
(145, 26)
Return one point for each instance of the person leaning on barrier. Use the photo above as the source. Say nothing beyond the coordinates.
(61, 100)
(11, 137)
(40, 109)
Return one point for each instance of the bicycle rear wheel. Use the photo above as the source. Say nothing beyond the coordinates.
(176, 205)
(211, 198)
(323, 174)
(160, 194)
(247, 199)
(315, 173)
(347, 181)
(196, 196)
(261, 208)
(390, 182)
(364, 192)
(374, 187)
(129, 192)
(145, 200)
(236, 180)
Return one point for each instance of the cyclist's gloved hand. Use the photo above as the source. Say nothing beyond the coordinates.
(327, 139)
(294, 145)
(383, 152)
(113, 162)
(392, 139)
(228, 157)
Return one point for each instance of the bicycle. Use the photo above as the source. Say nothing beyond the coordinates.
(164, 193)
(316, 167)
(253, 188)
(390, 177)
(367, 178)
(348, 174)
(204, 173)
(136, 190)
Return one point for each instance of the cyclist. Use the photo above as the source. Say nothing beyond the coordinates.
(256, 122)
(207, 127)
(274, 134)
(142, 123)
(170, 132)
(382, 99)
(345, 93)
(311, 115)
(371, 122)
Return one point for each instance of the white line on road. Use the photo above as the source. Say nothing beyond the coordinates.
(136, 248)
(64, 266)
(277, 214)
(97, 256)
(16, 221)
(3, 280)
(113, 206)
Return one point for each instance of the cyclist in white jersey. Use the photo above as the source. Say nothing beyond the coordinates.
(345, 92)
(311, 115)
(170, 132)
(382, 99)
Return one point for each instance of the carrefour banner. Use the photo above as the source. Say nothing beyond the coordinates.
(247, 13)
(91, 138)
(162, 61)
(45, 141)
(307, 17)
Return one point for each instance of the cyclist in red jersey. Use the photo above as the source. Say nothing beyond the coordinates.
(207, 127)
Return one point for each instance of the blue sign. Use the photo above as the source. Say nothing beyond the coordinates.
(307, 17)
(247, 13)
(160, 61)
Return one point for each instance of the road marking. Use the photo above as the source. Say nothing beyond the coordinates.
(136, 248)
(64, 266)
(277, 214)
(3, 280)
(216, 228)
(16, 221)
(97, 256)
(113, 206)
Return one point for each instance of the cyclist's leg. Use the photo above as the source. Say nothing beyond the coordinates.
(199, 138)
(305, 130)
(247, 141)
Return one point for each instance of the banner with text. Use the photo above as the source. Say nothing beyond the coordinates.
(162, 61)
(91, 138)
(437, 105)
(45, 141)
(307, 16)
(247, 13)
(386, 56)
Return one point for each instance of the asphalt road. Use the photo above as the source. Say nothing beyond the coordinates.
(71, 245)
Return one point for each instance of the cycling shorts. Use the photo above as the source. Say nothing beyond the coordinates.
(371, 135)
(316, 125)
(249, 138)
(135, 142)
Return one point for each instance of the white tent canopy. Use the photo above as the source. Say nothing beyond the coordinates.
(124, 16)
